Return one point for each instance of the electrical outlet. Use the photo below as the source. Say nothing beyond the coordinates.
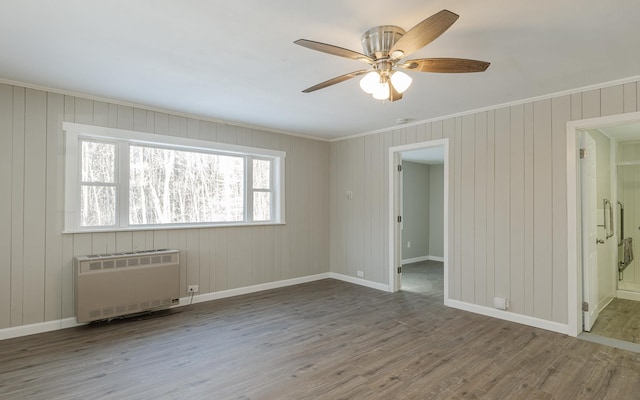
(360, 274)
(192, 289)
(409, 244)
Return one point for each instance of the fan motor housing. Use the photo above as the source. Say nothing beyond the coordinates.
(376, 42)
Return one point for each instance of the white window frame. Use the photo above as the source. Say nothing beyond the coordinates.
(75, 132)
(251, 190)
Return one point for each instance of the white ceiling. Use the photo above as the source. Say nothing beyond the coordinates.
(236, 61)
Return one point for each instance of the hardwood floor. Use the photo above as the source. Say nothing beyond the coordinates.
(619, 320)
(322, 340)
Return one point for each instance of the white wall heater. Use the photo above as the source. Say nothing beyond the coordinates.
(112, 285)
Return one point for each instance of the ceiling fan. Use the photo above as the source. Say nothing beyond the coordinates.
(385, 47)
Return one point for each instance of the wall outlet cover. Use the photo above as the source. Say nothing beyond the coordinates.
(501, 303)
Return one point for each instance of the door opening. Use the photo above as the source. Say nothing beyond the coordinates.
(422, 210)
(593, 221)
(422, 235)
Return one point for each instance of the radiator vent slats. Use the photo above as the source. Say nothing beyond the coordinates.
(106, 261)
(112, 285)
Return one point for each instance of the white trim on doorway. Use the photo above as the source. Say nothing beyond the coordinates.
(394, 243)
(574, 258)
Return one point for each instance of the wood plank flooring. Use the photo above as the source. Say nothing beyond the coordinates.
(322, 340)
(619, 320)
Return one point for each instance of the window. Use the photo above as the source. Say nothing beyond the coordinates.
(116, 179)
(97, 183)
(169, 186)
(262, 198)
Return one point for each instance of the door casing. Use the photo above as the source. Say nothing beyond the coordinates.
(395, 242)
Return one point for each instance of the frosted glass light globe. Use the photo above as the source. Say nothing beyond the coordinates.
(401, 81)
(382, 91)
(369, 82)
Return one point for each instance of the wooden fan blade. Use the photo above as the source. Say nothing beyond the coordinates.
(447, 65)
(423, 34)
(335, 80)
(334, 50)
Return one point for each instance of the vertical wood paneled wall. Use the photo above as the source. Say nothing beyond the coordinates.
(508, 200)
(36, 271)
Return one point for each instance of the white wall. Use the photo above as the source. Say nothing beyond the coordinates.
(436, 210)
(423, 211)
(507, 200)
(36, 273)
(415, 210)
(629, 194)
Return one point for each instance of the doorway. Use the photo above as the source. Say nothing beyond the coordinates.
(597, 290)
(424, 271)
(422, 183)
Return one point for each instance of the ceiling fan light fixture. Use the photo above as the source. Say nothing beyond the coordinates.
(400, 81)
(370, 82)
(385, 47)
(382, 91)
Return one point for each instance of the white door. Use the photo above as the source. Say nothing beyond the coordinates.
(589, 231)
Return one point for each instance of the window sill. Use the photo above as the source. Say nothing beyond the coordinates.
(172, 227)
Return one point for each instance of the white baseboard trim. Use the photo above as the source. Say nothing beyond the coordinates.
(628, 295)
(509, 316)
(414, 260)
(359, 281)
(41, 327)
(604, 304)
(421, 259)
(48, 326)
(223, 294)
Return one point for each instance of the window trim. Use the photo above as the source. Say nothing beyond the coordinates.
(73, 132)
(249, 187)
